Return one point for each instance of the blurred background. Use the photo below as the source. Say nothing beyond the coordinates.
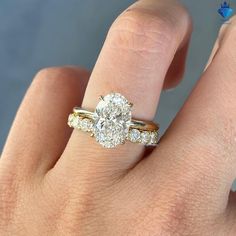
(42, 33)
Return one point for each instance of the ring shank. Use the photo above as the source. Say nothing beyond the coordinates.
(135, 124)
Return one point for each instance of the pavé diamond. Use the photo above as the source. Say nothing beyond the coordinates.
(134, 135)
(112, 119)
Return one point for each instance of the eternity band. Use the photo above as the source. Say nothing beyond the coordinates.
(112, 124)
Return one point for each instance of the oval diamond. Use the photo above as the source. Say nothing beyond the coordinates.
(112, 120)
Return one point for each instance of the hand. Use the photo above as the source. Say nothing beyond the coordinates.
(53, 182)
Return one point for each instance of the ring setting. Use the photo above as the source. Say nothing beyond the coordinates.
(111, 123)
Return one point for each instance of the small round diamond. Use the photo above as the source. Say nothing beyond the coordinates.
(70, 119)
(86, 125)
(145, 137)
(77, 122)
(154, 137)
(134, 135)
(74, 121)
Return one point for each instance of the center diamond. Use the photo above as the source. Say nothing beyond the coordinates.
(112, 119)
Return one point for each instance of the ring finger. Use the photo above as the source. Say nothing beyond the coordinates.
(139, 49)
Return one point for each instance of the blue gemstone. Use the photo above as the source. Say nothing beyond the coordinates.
(225, 10)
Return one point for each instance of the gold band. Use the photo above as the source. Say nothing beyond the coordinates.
(135, 124)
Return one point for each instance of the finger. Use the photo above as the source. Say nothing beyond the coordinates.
(136, 56)
(39, 132)
(216, 45)
(176, 70)
(199, 147)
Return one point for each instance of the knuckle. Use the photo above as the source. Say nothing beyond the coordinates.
(162, 221)
(172, 216)
(57, 77)
(48, 75)
(175, 210)
(76, 207)
(139, 31)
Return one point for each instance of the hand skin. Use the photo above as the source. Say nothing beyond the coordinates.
(57, 182)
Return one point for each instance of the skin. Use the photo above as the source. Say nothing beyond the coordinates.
(57, 182)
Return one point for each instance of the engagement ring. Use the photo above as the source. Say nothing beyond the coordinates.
(112, 124)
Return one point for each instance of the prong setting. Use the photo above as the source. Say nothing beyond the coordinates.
(131, 104)
(101, 98)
